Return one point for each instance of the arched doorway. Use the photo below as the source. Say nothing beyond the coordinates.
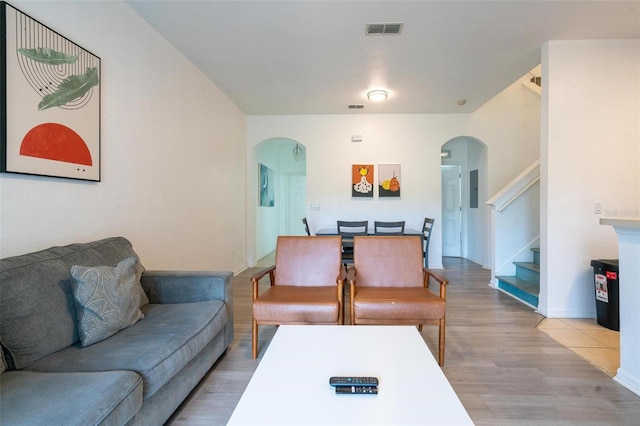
(464, 194)
(280, 193)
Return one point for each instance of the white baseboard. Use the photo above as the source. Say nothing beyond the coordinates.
(628, 381)
(240, 270)
(518, 299)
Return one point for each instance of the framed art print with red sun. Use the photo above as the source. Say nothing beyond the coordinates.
(50, 95)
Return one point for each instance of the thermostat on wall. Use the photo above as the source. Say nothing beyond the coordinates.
(356, 138)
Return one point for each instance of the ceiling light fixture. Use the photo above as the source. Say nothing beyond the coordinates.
(377, 95)
(297, 153)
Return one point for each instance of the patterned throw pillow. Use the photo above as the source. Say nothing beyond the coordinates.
(107, 298)
(144, 300)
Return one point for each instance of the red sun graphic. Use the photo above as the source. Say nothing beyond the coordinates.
(54, 141)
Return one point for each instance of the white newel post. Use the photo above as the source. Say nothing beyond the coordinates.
(628, 231)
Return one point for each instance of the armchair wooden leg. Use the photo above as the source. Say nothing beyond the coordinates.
(420, 327)
(441, 339)
(352, 294)
(254, 340)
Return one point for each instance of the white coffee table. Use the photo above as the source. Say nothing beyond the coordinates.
(291, 384)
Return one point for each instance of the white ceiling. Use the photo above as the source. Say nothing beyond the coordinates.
(313, 57)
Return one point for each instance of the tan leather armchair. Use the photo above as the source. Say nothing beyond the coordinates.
(306, 284)
(389, 285)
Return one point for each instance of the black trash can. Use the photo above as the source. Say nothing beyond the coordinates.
(607, 291)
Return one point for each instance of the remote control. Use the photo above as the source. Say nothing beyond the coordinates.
(353, 381)
(352, 390)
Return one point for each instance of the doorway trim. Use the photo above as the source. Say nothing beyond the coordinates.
(452, 223)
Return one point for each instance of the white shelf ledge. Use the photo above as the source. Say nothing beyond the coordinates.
(621, 222)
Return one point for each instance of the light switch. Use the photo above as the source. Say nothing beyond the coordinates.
(597, 208)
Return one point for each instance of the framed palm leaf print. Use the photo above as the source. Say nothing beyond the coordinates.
(50, 95)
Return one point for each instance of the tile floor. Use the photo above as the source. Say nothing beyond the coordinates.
(598, 345)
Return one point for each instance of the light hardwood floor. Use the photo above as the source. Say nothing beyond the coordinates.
(505, 370)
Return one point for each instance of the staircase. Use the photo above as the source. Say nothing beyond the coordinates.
(525, 285)
(515, 232)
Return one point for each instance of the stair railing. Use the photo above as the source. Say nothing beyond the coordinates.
(515, 221)
(514, 189)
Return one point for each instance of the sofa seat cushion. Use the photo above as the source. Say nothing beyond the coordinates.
(105, 398)
(156, 347)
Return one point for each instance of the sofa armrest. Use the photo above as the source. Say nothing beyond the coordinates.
(187, 286)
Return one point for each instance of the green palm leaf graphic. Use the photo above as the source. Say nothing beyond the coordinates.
(48, 56)
(72, 88)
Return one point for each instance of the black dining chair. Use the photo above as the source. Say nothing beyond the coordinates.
(427, 227)
(306, 226)
(347, 230)
(388, 228)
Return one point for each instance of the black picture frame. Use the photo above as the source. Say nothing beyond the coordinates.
(266, 178)
(50, 98)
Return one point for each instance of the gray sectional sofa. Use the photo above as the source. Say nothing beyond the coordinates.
(139, 375)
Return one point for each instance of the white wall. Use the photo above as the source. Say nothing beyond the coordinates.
(509, 124)
(411, 140)
(628, 231)
(478, 232)
(517, 231)
(173, 151)
(470, 154)
(590, 153)
(268, 217)
(277, 154)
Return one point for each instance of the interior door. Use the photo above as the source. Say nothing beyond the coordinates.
(296, 203)
(451, 211)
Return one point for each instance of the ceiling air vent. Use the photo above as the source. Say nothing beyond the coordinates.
(381, 29)
(356, 106)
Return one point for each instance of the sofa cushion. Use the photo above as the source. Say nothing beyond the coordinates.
(157, 347)
(105, 398)
(37, 309)
(107, 299)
